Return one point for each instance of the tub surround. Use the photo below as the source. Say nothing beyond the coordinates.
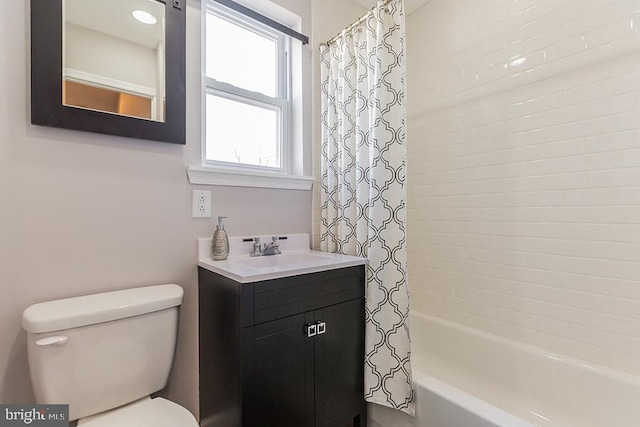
(523, 158)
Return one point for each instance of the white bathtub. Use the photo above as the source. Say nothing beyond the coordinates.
(467, 378)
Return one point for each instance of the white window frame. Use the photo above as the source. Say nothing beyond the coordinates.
(291, 174)
(281, 103)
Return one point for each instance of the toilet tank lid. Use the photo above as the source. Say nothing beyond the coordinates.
(97, 308)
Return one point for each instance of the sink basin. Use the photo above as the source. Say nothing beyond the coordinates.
(293, 261)
(283, 261)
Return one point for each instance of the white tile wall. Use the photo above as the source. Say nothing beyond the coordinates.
(524, 171)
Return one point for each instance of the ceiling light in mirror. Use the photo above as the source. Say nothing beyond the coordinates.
(144, 17)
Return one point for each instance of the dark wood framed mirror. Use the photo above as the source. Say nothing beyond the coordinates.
(83, 86)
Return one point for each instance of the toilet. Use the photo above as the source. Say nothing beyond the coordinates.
(105, 354)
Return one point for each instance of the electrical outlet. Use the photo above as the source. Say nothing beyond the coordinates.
(201, 204)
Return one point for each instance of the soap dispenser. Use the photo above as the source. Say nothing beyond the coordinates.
(220, 242)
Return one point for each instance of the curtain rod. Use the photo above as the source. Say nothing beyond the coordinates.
(353, 25)
(263, 19)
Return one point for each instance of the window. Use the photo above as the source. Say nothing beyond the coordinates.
(247, 93)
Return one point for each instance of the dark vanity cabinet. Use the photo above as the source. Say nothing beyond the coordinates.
(286, 352)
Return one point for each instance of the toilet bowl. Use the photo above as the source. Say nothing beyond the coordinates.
(145, 412)
(105, 354)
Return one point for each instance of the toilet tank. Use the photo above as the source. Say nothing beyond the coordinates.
(101, 351)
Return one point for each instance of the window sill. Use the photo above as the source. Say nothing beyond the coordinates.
(211, 176)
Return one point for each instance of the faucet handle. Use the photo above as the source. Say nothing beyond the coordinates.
(257, 248)
(274, 245)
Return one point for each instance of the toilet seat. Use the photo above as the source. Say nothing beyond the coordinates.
(145, 412)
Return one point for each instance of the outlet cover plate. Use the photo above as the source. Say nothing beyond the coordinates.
(201, 204)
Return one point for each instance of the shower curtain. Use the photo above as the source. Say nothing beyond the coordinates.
(363, 188)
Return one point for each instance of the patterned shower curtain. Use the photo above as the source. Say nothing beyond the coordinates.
(363, 188)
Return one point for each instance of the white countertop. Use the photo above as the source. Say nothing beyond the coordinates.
(296, 259)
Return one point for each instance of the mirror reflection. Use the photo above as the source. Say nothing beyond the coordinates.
(114, 57)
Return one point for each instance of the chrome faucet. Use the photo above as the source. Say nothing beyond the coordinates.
(265, 249)
(272, 248)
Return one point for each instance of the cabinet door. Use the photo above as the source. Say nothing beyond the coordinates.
(340, 366)
(279, 376)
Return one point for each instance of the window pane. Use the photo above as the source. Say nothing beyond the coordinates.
(241, 133)
(240, 57)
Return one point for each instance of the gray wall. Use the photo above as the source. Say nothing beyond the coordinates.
(82, 213)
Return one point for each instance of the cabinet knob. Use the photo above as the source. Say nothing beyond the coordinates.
(311, 330)
(322, 328)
